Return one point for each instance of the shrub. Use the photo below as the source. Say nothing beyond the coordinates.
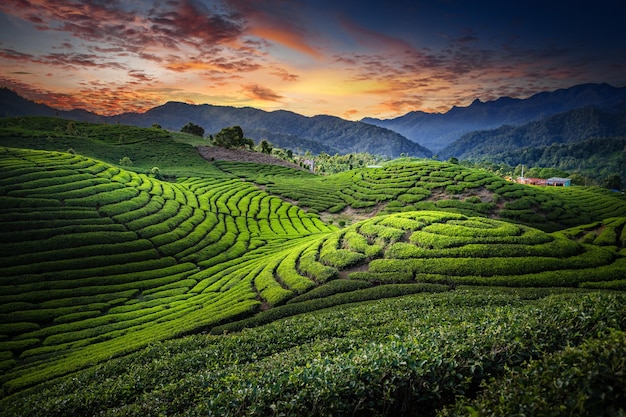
(342, 258)
(585, 380)
(126, 162)
(309, 265)
(382, 277)
(336, 286)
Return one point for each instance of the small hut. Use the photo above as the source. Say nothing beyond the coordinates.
(559, 182)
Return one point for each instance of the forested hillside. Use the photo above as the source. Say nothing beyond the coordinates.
(565, 128)
(596, 159)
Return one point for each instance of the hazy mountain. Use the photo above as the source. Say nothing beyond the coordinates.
(438, 130)
(283, 128)
(565, 128)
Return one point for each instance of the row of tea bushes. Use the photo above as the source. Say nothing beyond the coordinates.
(95, 256)
(412, 355)
(433, 185)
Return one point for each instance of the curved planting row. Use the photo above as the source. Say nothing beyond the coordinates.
(452, 248)
(434, 185)
(100, 261)
(97, 261)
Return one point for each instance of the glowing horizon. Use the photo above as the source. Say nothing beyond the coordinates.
(350, 60)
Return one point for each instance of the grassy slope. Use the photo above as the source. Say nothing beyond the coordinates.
(146, 148)
(211, 247)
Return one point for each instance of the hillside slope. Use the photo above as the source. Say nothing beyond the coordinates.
(285, 129)
(100, 261)
(407, 185)
(565, 128)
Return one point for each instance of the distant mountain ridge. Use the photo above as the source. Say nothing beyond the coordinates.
(282, 128)
(564, 128)
(436, 131)
(416, 134)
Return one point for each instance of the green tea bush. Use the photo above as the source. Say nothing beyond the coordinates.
(104, 198)
(61, 236)
(125, 206)
(382, 277)
(287, 274)
(585, 380)
(169, 224)
(269, 288)
(378, 230)
(342, 258)
(168, 210)
(92, 246)
(198, 231)
(336, 286)
(318, 303)
(309, 265)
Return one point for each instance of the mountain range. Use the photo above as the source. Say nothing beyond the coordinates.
(282, 128)
(436, 131)
(482, 131)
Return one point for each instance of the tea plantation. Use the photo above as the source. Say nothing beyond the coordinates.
(226, 290)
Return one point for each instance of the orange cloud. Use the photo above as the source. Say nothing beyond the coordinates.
(287, 38)
(285, 75)
(258, 92)
(279, 21)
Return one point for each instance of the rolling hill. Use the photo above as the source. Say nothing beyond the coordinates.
(226, 289)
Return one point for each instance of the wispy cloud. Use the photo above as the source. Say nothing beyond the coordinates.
(284, 75)
(258, 92)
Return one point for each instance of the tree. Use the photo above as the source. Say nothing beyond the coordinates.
(193, 129)
(232, 137)
(613, 182)
(266, 147)
(156, 172)
(71, 128)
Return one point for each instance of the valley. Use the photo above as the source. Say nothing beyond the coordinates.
(232, 287)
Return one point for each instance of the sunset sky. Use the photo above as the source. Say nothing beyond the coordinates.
(346, 58)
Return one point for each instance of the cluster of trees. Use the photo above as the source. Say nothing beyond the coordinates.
(324, 163)
(193, 129)
(232, 137)
(331, 164)
(228, 137)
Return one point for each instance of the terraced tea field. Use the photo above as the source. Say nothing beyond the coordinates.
(99, 259)
(102, 266)
(433, 185)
